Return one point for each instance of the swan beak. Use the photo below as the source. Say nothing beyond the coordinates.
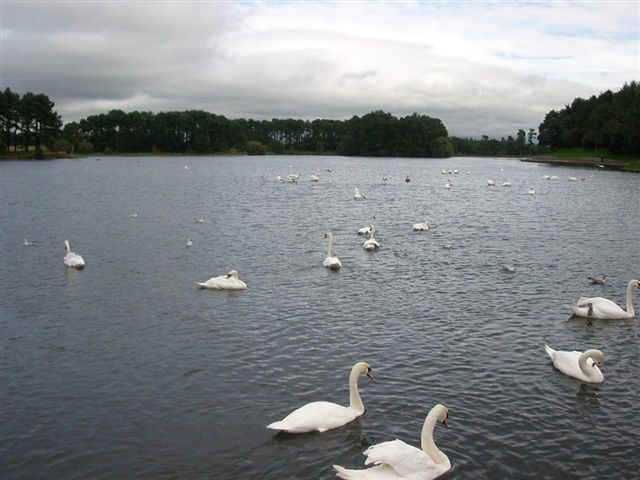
(370, 374)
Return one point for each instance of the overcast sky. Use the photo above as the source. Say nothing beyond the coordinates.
(482, 67)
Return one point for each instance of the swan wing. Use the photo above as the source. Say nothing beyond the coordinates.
(379, 472)
(406, 460)
(602, 308)
(315, 416)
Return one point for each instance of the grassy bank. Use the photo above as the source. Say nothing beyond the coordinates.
(577, 156)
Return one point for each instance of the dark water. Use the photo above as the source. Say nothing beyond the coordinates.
(126, 370)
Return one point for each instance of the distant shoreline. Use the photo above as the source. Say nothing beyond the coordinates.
(598, 162)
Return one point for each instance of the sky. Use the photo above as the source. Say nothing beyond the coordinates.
(482, 67)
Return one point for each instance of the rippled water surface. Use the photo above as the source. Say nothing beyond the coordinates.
(126, 370)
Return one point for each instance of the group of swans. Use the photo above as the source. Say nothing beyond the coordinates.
(393, 459)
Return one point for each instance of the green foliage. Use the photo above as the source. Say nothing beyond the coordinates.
(256, 148)
(608, 122)
(62, 145)
(441, 147)
(504, 147)
(85, 147)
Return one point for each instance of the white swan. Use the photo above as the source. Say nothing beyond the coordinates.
(27, 243)
(189, 242)
(448, 185)
(314, 178)
(397, 460)
(330, 261)
(420, 227)
(599, 280)
(357, 195)
(371, 243)
(573, 179)
(507, 267)
(230, 281)
(71, 259)
(531, 191)
(366, 230)
(605, 309)
(323, 416)
(491, 183)
(580, 365)
(199, 220)
(506, 184)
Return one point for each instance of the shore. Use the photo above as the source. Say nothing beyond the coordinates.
(600, 162)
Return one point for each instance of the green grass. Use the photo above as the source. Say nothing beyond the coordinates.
(579, 152)
(632, 166)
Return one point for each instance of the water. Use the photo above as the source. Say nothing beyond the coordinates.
(126, 370)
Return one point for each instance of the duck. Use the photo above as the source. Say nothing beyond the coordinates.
(580, 365)
(357, 195)
(396, 459)
(599, 280)
(322, 416)
(331, 262)
(371, 243)
(72, 259)
(605, 309)
(230, 281)
(420, 227)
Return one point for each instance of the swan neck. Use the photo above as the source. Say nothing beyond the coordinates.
(355, 402)
(589, 371)
(428, 445)
(330, 245)
(630, 309)
(67, 247)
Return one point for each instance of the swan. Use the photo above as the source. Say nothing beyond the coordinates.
(531, 191)
(371, 243)
(366, 230)
(443, 172)
(491, 183)
(230, 281)
(71, 259)
(455, 172)
(573, 179)
(357, 195)
(396, 459)
(553, 177)
(189, 242)
(280, 178)
(580, 365)
(331, 262)
(323, 416)
(506, 184)
(133, 215)
(199, 220)
(27, 243)
(385, 179)
(293, 177)
(605, 309)
(420, 227)
(547, 177)
(507, 267)
(599, 280)
(314, 178)
(448, 185)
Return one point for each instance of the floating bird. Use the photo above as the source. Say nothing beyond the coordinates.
(531, 191)
(491, 183)
(357, 195)
(605, 309)
(314, 178)
(407, 179)
(323, 416)
(573, 179)
(507, 267)
(580, 365)
(189, 242)
(420, 227)
(27, 243)
(371, 243)
(199, 220)
(396, 459)
(366, 230)
(506, 184)
(71, 259)
(599, 280)
(331, 262)
(230, 281)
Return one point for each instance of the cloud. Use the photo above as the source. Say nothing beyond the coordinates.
(483, 68)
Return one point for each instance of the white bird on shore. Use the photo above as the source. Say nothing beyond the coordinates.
(580, 365)
(398, 460)
(71, 259)
(230, 281)
(323, 416)
(331, 262)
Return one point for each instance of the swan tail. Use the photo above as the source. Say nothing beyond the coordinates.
(201, 285)
(277, 426)
(550, 351)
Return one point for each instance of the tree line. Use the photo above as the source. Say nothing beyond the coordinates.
(522, 144)
(607, 122)
(27, 121)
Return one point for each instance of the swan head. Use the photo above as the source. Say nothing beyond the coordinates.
(636, 283)
(597, 356)
(328, 235)
(232, 274)
(442, 414)
(363, 368)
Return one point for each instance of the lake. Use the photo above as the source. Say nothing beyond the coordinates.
(127, 370)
